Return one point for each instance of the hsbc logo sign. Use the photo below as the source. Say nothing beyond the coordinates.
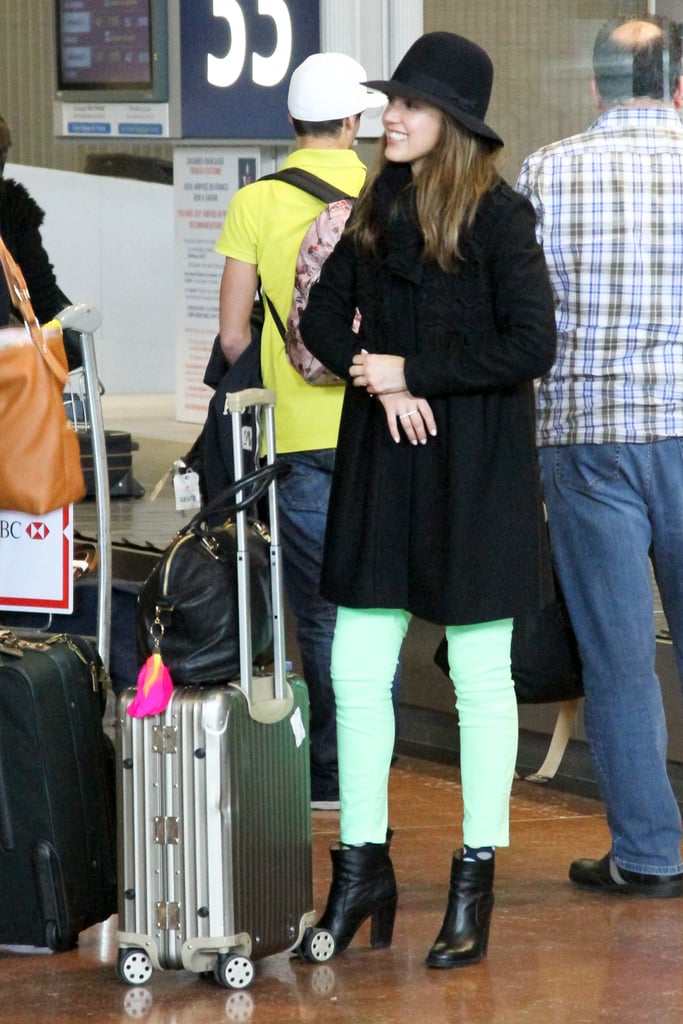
(36, 576)
(37, 531)
(12, 529)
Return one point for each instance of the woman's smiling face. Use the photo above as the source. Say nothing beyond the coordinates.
(412, 129)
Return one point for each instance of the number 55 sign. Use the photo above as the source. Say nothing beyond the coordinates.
(236, 57)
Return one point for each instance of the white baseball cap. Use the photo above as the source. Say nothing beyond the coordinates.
(327, 86)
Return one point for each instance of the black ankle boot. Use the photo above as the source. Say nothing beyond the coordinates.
(464, 935)
(363, 886)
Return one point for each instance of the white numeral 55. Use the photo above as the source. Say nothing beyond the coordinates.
(267, 71)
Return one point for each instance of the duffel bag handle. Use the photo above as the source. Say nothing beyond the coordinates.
(255, 483)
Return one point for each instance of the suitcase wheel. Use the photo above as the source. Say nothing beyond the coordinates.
(317, 945)
(134, 966)
(233, 970)
(55, 941)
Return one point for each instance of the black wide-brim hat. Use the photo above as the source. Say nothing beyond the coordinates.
(451, 73)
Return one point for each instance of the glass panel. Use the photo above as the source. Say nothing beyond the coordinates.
(542, 58)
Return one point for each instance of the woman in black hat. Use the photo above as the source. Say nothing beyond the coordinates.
(436, 508)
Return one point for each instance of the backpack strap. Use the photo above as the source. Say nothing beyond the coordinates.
(316, 187)
(276, 316)
(308, 182)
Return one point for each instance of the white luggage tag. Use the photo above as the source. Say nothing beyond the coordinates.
(186, 487)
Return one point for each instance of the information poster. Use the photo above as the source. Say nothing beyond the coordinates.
(36, 561)
(113, 120)
(204, 182)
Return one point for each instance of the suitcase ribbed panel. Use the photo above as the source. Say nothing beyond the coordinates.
(234, 797)
(271, 829)
(139, 804)
(156, 887)
(200, 802)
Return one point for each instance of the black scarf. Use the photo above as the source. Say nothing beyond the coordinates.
(400, 242)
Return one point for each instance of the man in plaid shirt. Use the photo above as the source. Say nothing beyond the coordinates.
(610, 428)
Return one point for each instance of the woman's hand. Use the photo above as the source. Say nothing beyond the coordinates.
(378, 374)
(414, 415)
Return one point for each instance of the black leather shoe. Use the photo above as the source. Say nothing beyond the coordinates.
(363, 886)
(464, 935)
(604, 876)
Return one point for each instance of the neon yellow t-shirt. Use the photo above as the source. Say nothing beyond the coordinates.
(264, 226)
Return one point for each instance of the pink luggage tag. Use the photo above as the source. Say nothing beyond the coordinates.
(155, 685)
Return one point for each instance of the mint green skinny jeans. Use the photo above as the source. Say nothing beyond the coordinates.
(365, 652)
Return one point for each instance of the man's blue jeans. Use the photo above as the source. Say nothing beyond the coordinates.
(303, 497)
(612, 508)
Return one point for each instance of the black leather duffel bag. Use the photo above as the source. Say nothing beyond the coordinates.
(188, 606)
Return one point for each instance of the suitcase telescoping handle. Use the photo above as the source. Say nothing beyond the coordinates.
(237, 402)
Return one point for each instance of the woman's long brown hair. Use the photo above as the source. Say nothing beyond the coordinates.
(453, 177)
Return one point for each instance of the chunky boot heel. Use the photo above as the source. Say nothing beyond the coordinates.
(363, 886)
(464, 935)
(382, 925)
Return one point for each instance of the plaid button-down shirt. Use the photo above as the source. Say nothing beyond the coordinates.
(610, 218)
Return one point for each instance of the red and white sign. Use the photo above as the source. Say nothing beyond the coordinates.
(36, 561)
(204, 181)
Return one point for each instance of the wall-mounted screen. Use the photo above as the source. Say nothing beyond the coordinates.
(112, 50)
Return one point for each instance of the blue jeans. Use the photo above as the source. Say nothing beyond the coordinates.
(303, 497)
(612, 508)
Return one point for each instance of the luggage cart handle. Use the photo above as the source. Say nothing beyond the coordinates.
(80, 317)
(85, 319)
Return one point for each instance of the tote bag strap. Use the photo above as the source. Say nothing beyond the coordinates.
(19, 297)
(562, 733)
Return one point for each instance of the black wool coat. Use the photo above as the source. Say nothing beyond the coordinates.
(453, 530)
(20, 222)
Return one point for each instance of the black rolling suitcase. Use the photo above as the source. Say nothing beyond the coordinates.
(57, 812)
(118, 444)
(57, 791)
(120, 447)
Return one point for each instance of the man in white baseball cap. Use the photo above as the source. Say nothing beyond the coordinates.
(260, 239)
(328, 86)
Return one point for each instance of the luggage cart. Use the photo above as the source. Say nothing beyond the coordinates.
(57, 820)
(82, 397)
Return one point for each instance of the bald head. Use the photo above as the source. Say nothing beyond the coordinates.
(637, 59)
(636, 34)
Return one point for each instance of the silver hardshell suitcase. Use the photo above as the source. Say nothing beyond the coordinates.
(214, 805)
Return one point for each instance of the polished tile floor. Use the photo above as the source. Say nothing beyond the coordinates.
(556, 955)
